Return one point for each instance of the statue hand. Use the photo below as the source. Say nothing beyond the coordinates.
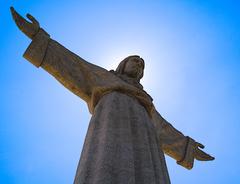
(201, 155)
(28, 28)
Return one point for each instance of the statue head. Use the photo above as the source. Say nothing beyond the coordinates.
(132, 67)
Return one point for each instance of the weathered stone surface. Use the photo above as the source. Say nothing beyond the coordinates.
(127, 137)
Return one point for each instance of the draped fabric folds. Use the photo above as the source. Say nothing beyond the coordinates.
(121, 145)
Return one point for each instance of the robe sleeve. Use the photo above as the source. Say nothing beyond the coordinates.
(173, 142)
(73, 72)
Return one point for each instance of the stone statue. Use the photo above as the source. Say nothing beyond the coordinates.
(127, 137)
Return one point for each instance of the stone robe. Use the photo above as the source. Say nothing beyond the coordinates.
(127, 138)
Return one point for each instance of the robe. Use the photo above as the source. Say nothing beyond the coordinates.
(127, 137)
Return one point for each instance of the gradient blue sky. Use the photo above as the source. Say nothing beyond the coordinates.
(192, 54)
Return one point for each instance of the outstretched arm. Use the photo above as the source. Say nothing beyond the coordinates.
(73, 72)
(182, 148)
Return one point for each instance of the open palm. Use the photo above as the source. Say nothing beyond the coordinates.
(28, 28)
(201, 155)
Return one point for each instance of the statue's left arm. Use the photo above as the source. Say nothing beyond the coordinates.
(182, 148)
(76, 74)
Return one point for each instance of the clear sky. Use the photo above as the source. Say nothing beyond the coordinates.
(192, 54)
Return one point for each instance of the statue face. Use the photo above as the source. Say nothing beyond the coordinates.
(134, 67)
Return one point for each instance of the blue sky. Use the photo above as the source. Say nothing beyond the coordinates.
(192, 54)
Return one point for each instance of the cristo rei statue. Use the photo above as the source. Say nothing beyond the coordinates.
(127, 137)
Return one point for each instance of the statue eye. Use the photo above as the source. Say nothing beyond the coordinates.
(137, 61)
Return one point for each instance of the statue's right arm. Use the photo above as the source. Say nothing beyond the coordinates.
(173, 142)
(73, 72)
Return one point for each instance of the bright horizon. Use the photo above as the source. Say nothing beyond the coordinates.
(192, 56)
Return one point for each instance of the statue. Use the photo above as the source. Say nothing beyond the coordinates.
(127, 137)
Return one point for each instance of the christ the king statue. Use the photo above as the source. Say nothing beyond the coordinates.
(127, 137)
